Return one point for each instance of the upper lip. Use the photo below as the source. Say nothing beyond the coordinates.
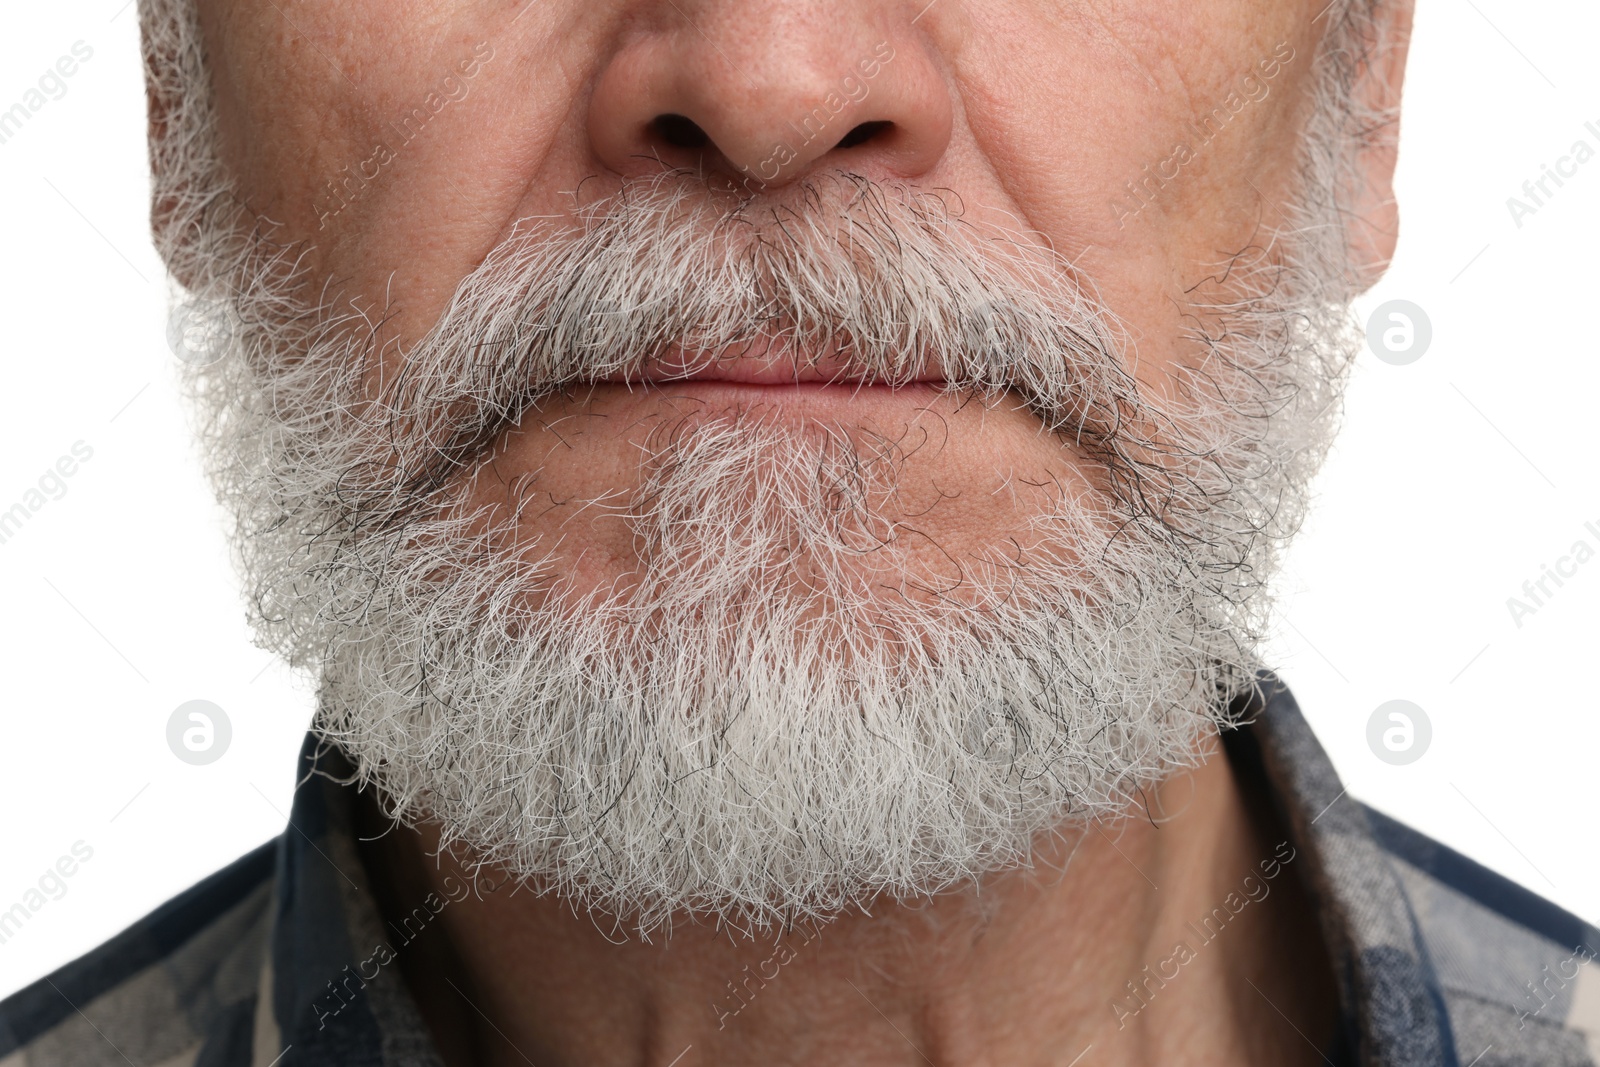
(770, 365)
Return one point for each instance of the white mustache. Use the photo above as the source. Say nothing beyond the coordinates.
(881, 285)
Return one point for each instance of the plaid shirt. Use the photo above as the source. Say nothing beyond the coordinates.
(1437, 959)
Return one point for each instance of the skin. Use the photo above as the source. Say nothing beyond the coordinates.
(1034, 114)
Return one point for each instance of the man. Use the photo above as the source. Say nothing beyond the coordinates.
(777, 498)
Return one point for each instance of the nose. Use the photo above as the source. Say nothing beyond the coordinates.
(766, 90)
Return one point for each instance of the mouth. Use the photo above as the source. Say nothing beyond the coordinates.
(829, 389)
(776, 368)
(829, 392)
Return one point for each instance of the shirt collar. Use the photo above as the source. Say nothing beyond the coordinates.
(1392, 1007)
(335, 984)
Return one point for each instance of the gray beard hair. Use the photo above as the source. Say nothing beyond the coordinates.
(760, 726)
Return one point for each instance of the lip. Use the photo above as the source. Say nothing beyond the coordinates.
(806, 399)
(826, 388)
(829, 390)
(766, 369)
(811, 399)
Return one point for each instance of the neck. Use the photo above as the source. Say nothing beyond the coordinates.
(1184, 938)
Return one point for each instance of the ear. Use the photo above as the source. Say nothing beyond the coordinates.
(1373, 223)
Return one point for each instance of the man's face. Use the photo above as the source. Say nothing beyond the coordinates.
(880, 416)
(1045, 120)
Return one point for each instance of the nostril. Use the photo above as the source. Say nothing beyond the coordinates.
(863, 133)
(679, 131)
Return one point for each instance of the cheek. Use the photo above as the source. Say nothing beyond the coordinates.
(1079, 117)
(303, 99)
(293, 127)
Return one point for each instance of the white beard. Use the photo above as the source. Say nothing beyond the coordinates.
(720, 738)
(724, 739)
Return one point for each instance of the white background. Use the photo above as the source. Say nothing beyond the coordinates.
(1457, 478)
